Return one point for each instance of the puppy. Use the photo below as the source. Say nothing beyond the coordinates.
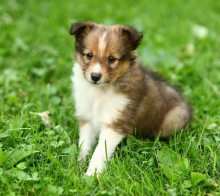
(115, 95)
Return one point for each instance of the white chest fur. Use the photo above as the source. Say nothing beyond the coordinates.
(97, 104)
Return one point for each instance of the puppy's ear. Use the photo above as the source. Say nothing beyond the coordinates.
(81, 28)
(131, 36)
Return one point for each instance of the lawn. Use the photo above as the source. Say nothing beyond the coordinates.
(38, 155)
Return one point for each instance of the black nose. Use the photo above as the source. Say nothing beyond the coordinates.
(96, 76)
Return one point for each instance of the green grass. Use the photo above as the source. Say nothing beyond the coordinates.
(35, 69)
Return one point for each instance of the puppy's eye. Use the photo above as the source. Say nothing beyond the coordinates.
(89, 56)
(111, 59)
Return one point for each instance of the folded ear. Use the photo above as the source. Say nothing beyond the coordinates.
(131, 36)
(81, 28)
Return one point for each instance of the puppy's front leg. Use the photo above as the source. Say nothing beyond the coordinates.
(108, 141)
(86, 139)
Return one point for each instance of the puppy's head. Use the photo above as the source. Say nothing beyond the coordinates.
(104, 52)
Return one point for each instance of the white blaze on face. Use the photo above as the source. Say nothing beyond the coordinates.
(96, 68)
(102, 43)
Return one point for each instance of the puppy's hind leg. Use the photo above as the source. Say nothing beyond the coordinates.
(176, 119)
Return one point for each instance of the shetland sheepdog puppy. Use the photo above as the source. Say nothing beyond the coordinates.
(115, 95)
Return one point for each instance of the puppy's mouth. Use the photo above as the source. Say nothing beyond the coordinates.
(98, 83)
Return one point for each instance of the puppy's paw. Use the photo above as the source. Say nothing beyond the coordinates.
(81, 158)
(93, 171)
(90, 172)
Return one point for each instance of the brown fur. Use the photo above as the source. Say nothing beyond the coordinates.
(154, 105)
(151, 102)
(82, 122)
